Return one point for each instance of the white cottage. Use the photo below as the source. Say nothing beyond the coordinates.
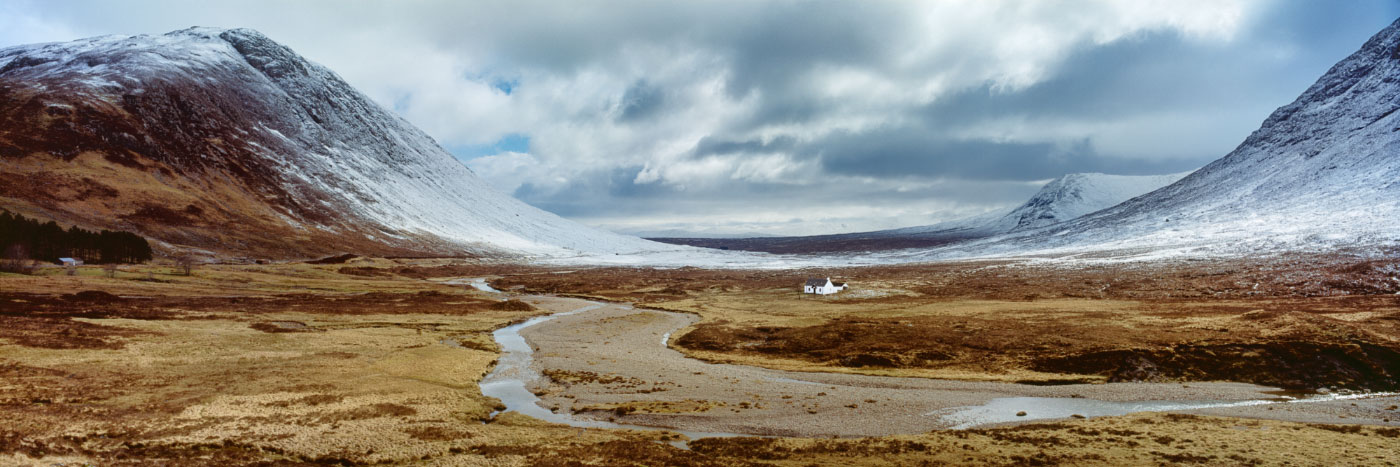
(70, 261)
(823, 286)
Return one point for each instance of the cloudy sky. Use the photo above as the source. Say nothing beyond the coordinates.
(791, 117)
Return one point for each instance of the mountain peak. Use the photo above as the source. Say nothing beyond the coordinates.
(1319, 173)
(181, 135)
(1367, 75)
(1064, 198)
(203, 32)
(1073, 195)
(268, 56)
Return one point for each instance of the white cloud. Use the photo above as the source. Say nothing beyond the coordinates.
(508, 170)
(22, 22)
(734, 69)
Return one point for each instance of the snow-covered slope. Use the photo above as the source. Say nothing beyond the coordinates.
(226, 140)
(1061, 199)
(1067, 197)
(1321, 173)
(1075, 195)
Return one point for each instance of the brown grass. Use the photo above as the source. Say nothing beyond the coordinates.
(512, 305)
(176, 371)
(1299, 322)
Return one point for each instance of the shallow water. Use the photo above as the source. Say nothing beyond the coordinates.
(1005, 410)
(480, 284)
(794, 381)
(513, 374)
(508, 382)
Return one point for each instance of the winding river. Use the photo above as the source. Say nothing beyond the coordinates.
(623, 354)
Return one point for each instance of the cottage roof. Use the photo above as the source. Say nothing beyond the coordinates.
(839, 284)
(66, 259)
(816, 282)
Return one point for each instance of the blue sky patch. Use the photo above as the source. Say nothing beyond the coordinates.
(505, 86)
(513, 142)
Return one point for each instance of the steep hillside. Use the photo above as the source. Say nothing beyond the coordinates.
(1321, 173)
(226, 141)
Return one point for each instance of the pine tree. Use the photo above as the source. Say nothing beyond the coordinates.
(48, 242)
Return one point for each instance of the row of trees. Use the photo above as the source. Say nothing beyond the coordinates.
(22, 238)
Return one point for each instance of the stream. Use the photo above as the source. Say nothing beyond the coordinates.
(478, 283)
(508, 380)
(1005, 410)
(945, 404)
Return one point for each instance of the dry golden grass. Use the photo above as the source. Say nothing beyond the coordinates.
(383, 368)
(1228, 320)
(1143, 439)
(202, 384)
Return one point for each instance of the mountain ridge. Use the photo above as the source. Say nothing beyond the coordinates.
(1074, 195)
(1320, 173)
(226, 141)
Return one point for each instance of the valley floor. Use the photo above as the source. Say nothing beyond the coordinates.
(1303, 323)
(378, 360)
(609, 363)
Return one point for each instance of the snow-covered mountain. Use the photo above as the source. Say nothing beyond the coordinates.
(1062, 199)
(1321, 173)
(1075, 195)
(227, 141)
(1067, 197)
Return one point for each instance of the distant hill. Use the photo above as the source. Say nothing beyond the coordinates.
(1075, 195)
(1062, 199)
(682, 233)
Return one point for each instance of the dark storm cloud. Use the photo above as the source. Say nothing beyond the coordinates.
(1128, 77)
(591, 195)
(900, 154)
(1152, 73)
(797, 37)
(903, 153)
(641, 101)
(613, 195)
(710, 145)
